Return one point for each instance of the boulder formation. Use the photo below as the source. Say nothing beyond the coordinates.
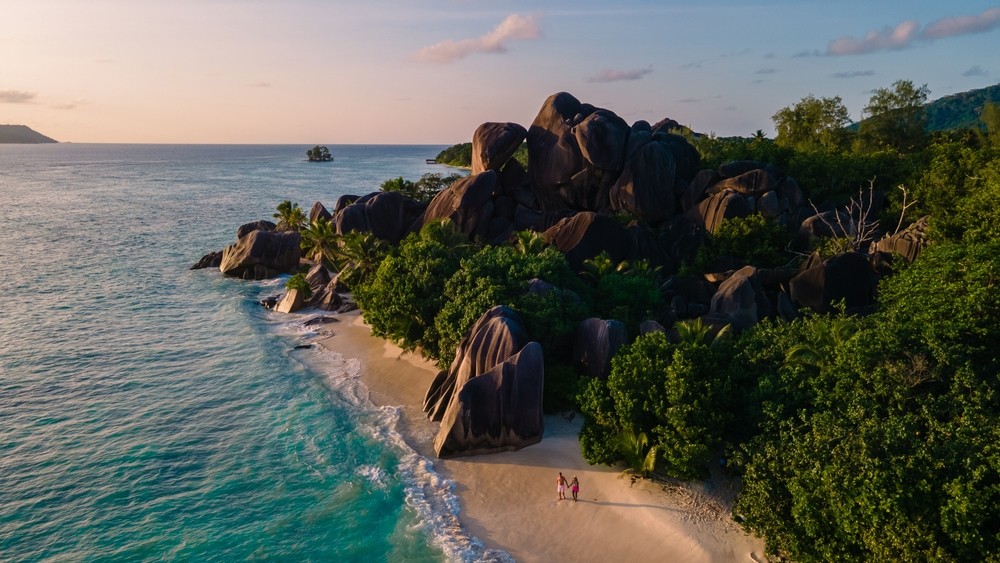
(490, 400)
(494, 143)
(261, 255)
(500, 410)
(596, 342)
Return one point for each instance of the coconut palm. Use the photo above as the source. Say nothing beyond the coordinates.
(529, 242)
(290, 216)
(696, 331)
(320, 242)
(639, 456)
(358, 256)
(821, 341)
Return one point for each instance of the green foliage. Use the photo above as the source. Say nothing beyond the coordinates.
(320, 242)
(751, 239)
(406, 291)
(634, 449)
(424, 189)
(991, 122)
(456, 155)
(290, 216)
(298, 281)
(874, 432)
(358, 256)
(625, 292)
(672, 392)
(962, 110)
(896, 118)
(813, 124)
(319, 154)
(499, 276)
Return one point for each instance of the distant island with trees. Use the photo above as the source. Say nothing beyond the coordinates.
(22, 134)
(319, 153)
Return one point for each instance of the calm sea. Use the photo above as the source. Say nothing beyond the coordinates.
(152, 412)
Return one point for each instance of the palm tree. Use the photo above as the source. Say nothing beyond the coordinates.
(320, 242)
(290, 216)
(358, 256)
(529, 242)
(640, 458)
(696, 331)
(821, 341)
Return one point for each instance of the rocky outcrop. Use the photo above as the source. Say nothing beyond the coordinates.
(319, 211)
(467, 203)
(500, 410)
(709, 213)
(494, 337)
(587, 234)
(739, 301)
(261, 225)
(261, 255)
(908, 243)
(494, 143)
(390, 216)
(596, 342)
(291, 302)
(490, 400)
(554, 155)
(846, 277)
(646, 185)
(210, 260)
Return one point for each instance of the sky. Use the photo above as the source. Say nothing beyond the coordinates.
(431, 71)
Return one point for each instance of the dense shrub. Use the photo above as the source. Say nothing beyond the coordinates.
(672, 392)
(406, 292)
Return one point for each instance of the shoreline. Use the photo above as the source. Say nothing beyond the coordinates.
(508, 500)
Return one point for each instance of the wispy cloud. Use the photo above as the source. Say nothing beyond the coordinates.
(975, 71)
(689, 100)
(17, 96)
(962, 25)
(899, 37)
(71, 105)
(615, 75)
(513, 27)
(261, 84)
(766, 71)
(853, 74)
(905, 34)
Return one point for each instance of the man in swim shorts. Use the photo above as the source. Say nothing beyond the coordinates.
(561, 486)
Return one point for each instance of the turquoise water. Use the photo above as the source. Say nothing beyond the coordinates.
(152, 412)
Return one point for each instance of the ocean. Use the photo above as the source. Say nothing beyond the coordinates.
(150, 412)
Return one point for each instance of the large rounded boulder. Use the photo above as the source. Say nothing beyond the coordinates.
(587, 234)
(596, 342)
(494, 143)
(262, 254)
(646, 185)
(467, 203)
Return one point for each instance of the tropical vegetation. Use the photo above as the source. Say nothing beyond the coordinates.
(854, 438)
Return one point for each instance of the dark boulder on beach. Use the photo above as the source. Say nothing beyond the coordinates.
(494, 143)
(497, 335)
(261, 255)
(645, 187)
(499, 410)
(387, 215)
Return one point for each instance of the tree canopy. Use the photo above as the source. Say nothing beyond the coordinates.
(813, 124)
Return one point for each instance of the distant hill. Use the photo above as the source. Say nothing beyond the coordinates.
(22, 134)
(957, 111)
(960, 111)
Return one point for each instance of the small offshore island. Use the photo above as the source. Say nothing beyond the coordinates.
(799, 332)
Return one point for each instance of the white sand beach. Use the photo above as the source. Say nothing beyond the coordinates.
(509, 500)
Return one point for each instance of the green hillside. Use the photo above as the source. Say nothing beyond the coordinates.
(22, 134)
(960, 111)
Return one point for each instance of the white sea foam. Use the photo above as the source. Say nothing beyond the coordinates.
(426, 491)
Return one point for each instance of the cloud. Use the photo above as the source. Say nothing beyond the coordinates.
(899, 37)
(853, 73)
(962, 25)
(810, 53)
(16, 96)
(766, 71)
(689, 101)
(71, 105)
(614, 75)
(909, 32)
(261, 84)
(975, 71)
(513, 27)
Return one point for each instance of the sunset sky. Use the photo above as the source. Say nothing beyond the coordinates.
(430, 71)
